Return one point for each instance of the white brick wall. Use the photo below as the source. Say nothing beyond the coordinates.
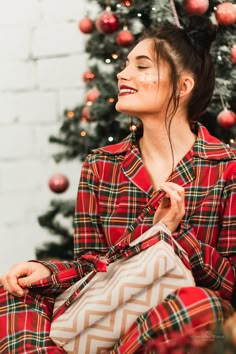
(41, 65)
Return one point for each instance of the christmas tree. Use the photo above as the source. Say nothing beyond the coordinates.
(111, 34)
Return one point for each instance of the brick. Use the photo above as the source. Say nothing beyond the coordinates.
(58, 73)
(57, 39)
(16, 141)
(17, 76)
(15, 43)
(61, 10)
(19, 12)
(23, 175)
(29, 107)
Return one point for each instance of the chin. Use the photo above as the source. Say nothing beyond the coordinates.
(122, 109)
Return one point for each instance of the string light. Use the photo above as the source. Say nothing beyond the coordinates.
(139, 14)
(108, 61)
(83, 133)
(133, 127)
(115, 56)
(110, 138)
(111, 100)
(70, 114)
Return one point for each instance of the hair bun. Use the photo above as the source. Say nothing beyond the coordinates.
(201, 31)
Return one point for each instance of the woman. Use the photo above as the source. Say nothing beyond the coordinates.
(167, 82)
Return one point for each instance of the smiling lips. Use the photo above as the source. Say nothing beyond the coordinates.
(126, 90)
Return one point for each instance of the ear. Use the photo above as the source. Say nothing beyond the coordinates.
(186, 85)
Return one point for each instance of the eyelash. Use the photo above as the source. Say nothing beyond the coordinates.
(123, 67)
(142, 67)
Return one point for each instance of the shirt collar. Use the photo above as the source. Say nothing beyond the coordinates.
(206, 146)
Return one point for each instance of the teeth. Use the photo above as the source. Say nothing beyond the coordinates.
(127, 90)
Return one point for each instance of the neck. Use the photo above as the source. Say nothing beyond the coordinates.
(157, 143)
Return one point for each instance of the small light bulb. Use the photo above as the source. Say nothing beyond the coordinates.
(110, 138)
(108, 61)
(70, 114)
(133, 127)
(83, 133)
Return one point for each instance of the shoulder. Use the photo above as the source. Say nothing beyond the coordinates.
(116, 149)
(208, 147)
(107, 158)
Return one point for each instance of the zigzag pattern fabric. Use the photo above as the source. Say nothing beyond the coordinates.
(105, 309)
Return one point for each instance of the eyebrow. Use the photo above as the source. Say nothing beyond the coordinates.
(141, 57)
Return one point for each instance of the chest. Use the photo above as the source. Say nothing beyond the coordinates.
(123, 198)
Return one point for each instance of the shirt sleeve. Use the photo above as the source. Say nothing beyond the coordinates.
(88, 237)
(214, 268)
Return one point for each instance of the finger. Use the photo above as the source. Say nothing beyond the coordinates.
(10, 280)
(172, 193)
(10, 284)
(174, 186)
(27, 281)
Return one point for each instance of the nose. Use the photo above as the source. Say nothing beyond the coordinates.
(124, 74)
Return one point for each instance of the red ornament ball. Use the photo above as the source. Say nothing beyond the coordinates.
(124, 38)
(58, 183)
(127, 3)
(86, 25)
(107, 22)
(233, 54)
(92, 95)
(85, 113)
(88, 76)
(225, 13)
(196, 7)
(226, 119)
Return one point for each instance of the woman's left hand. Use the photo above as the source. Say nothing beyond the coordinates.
(172, 208)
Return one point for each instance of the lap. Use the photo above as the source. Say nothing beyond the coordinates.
(188, 307)
(25, 324)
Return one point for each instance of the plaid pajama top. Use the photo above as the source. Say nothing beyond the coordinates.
(115, 187)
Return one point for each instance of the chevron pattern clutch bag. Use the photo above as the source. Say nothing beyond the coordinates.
(111, 301)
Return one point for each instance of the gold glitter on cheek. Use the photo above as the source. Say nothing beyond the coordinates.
(149, 79)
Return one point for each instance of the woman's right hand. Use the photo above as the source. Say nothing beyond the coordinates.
(172, 207)
(22, 275)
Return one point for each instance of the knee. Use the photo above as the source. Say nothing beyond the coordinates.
(193, 294)
(203, 304)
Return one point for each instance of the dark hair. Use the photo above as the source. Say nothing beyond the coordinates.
(187, 49)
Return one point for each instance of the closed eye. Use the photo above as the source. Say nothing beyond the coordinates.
(142, 67)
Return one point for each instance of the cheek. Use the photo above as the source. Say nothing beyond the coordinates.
(148, 79)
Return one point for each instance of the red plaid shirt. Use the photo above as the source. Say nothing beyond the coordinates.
(115, 188)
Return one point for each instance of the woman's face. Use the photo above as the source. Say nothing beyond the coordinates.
(142, 90)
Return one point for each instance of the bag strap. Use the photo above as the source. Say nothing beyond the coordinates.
(115, 252)
(150, 206)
